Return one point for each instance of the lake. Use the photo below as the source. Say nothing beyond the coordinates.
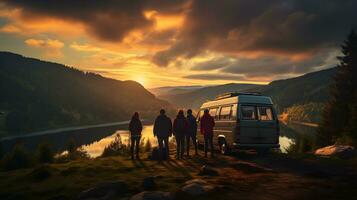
(94, 141)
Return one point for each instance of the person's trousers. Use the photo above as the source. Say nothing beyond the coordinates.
(194, 141)
(209, 143)
(163, 142)
(180, 146)
(135, 143)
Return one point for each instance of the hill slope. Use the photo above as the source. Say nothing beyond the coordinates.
(39, 95)
(309, 88)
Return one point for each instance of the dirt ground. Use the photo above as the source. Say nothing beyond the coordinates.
(242, 175)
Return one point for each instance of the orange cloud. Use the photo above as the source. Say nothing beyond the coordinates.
(51, 47)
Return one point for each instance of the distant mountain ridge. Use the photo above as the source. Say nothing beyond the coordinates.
(195, 98)
(306, 89)
(38, 95)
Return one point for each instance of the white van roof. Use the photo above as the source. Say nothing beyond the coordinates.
(239, 98)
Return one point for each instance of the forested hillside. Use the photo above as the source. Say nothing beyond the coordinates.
(38, 95)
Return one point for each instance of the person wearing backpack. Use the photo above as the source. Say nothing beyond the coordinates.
(163, 130)
(191, 132)
(180, 129)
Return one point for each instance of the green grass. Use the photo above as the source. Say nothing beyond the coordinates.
(68, 179)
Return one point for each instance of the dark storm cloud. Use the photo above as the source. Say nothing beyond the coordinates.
(264, 66)
(109, 20)
(276, 26)
(215, 63)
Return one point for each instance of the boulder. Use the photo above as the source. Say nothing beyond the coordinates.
(198, 181)
(207, 171)
(341, 151)
(149, 183)
(105, 190)
(197, 187)
(152, 195)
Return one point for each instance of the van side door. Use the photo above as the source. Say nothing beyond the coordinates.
(267, 125)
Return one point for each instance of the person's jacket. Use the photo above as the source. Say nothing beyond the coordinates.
(192, 125)
(162, 126)
(135, 127)
(180, 126)
(207, 124)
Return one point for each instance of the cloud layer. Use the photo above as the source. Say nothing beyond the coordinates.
(211, 39)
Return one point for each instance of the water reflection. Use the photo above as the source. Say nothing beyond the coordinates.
(95, 140)
(289, 135)
(96, 149)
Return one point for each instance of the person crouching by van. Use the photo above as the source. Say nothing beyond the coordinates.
(180, 130)
(191, 132)
(163, 130)
(135, 128)
(207, 124)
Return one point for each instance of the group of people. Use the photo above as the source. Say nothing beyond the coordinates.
(184, 129)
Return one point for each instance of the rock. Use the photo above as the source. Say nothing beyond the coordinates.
(198, 181)
(207, 171)
(149, 183)
(196, 189)
(341, 151)
(106, 190)
(152, 195)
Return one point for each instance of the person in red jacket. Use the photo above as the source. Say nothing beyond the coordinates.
(206, 128)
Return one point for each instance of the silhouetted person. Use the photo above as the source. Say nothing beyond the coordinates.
(163, 130)
(207, 124)
(180, 130)
(191, 131)
(135, 128)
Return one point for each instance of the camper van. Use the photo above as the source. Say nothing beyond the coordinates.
(243, 121)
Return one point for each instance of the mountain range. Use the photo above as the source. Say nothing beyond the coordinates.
(39, 95)
(306, 92)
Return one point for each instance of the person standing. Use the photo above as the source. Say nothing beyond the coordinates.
(191, 132)
(135, 128)
(180, 130)
(206, 127)
(163, 130)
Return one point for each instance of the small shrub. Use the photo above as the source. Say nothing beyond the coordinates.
(45, 153)
(116, 147)
(72, 153)
(16, 159)
(41, 173)
(148, 146)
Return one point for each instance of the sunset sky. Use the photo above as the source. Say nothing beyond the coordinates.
(173, 42)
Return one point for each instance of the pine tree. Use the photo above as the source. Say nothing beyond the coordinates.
(339, 117)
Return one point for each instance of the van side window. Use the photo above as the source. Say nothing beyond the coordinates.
(265, 113)
(225, 112)
(248, 113)
(213, 111)
(234, 111)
